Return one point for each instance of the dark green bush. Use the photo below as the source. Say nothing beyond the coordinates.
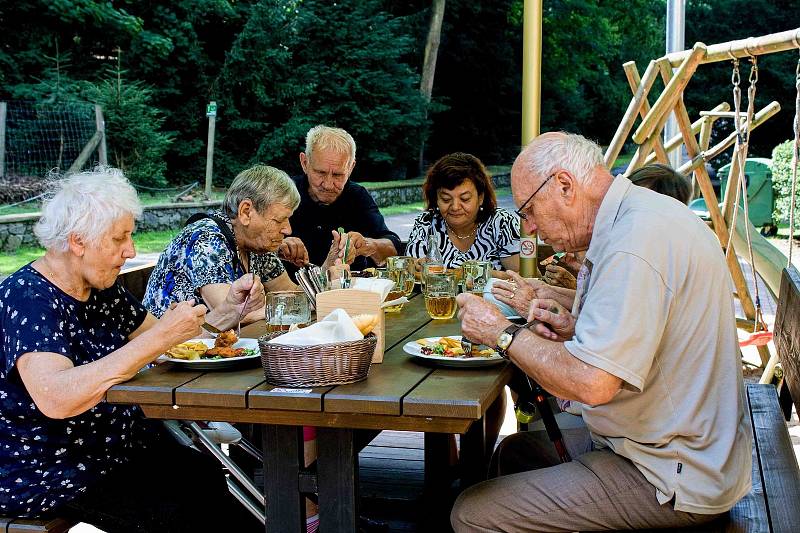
(782, 183)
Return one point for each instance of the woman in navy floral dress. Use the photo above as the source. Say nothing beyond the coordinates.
(69, 332)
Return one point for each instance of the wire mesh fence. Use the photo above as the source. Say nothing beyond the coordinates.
(40, 137)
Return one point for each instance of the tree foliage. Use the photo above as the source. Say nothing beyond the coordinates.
(782, 183)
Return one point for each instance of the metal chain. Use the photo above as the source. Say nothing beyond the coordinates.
(795, 158)
(737, 101)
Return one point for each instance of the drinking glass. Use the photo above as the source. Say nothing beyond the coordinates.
(403, 263)
(440, 295)
(284, 308)
(338, 277)
(430, 268)
(399, 277)
(476, 275)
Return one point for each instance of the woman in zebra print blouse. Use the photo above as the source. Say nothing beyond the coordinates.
(463, 214)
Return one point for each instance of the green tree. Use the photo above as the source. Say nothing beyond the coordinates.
(782, 184)
(135, 141)
(295, 65)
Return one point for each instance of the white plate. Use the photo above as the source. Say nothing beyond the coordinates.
(414, 349)
(216, 364)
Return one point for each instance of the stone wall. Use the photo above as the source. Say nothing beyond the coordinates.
(17, 230)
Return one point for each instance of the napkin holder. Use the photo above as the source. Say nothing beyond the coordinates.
(356, 302)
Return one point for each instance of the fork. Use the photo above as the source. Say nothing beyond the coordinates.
(241, 314)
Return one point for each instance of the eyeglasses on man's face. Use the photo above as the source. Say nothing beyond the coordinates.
(524, 207)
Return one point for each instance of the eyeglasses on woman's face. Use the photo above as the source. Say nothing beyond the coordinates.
(523, 209)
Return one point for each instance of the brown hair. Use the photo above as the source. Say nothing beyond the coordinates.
(663, 179)
(452, 170)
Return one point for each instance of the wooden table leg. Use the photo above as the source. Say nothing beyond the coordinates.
(437, 461)
(473, 454)
(283, 458)
(337, 477)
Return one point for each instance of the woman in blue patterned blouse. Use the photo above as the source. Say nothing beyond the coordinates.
(69, 332)
(463, 215)
(200, 263)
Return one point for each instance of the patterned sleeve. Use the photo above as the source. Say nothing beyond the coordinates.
(267, 266)
(506, 228)
(32, 321)
(418, 240)
(208, 258)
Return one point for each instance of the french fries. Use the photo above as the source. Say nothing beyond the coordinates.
(187, 350)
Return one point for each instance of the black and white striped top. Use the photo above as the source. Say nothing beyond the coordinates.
(496, 238)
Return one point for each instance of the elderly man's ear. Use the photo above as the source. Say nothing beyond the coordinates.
(566, 184)
(304, 162)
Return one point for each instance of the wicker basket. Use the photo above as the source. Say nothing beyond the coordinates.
(316, 366)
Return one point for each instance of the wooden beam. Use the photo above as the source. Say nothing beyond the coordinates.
(752, 46)
(676, 141)
(625, 126)
(672, 93)
(77, 165)
(632, 74)
(721, 146)
(2, 139)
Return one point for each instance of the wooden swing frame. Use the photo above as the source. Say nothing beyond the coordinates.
(651, 148)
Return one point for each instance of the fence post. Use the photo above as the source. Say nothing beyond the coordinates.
(211, 113)
(2, 139)
(100, 123)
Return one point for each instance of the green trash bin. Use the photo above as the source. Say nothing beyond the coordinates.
(760, 197)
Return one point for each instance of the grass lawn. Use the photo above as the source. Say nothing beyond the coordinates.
(147, 242)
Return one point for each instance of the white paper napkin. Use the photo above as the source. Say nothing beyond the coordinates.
(336, 327)
(396, 301)
(379, 285)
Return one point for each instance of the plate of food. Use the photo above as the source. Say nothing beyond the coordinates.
(226, 351)
(447, 351)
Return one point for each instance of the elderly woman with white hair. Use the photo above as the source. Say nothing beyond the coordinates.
(69, 333)
(208, 254)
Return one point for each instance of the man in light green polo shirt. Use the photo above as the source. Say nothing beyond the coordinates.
(649, 349)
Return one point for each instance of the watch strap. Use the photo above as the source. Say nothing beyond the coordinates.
(512, 330)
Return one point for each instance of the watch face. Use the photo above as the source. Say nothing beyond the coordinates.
(504, 340)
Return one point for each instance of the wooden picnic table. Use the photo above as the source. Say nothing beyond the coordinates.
(399, 394)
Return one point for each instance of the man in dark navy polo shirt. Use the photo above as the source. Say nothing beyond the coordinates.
(329, 200)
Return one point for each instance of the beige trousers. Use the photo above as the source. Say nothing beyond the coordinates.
(598, 490)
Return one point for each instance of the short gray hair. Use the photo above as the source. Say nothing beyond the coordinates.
(569, 151)
(264, 186)
(84, 204)
(326, 138)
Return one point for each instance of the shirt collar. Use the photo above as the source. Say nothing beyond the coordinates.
(607, 215)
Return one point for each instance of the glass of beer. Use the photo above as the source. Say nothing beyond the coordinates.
(476, 275)
(440, 295)
(399, 277)
(405, 263)
(430, 268)
(285, 308)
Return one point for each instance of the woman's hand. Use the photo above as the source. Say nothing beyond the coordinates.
(556, 323)
(180, 323)
(559, 276)
(293, 250)
(516, 291)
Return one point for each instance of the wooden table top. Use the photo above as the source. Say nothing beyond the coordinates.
(398, 394)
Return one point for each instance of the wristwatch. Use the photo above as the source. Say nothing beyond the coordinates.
(505, 339)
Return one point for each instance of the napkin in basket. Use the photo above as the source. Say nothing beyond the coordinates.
(336, 327)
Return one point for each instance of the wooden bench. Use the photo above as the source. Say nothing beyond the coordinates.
(27, 525)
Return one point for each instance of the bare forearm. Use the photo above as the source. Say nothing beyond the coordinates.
(383, 248)
(557, 370)
(61, 390)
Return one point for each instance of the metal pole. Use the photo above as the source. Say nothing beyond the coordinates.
(100, 124)
(531, 109)
(676, 16)
(211, 112)
(2, 139)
